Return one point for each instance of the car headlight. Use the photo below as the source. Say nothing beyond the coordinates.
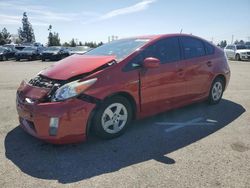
(72, 89)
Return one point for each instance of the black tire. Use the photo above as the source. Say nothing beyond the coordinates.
(17, 59)
(4, 58)
(43, 59)
(237, 57)
(213, 98)
(101, 117)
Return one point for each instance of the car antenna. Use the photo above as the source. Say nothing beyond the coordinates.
(181, 31)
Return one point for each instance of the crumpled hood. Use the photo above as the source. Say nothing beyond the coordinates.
(75, 65)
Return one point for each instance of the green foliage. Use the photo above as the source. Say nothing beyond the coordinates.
(26, 33)
(53, 38)
(93, 44)
(4, 37)
(223, 44)
(72, 43)
(66, 44)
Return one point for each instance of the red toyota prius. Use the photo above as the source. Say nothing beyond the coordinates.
(106, 88)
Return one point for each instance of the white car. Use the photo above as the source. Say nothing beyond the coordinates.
(237, 52)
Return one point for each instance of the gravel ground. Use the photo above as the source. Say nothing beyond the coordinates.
(194, 146)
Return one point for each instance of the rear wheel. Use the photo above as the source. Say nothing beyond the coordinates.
(4, 58)
(237, 57)
(112, 118)
(216, 91)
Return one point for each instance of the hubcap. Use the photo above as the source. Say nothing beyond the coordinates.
(217, 91)
(114, 118)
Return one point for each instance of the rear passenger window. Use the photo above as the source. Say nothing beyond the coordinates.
(209, 48)
(192, 47)
(166, 50)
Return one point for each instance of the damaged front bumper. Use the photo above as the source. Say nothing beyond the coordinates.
(55, 122)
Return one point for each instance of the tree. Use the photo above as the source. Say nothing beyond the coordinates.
(223, 44)
(66, 44)
(53, 38)
(26, 33)
(72, 43)
(4, 37)
(236, 42)
(241, 42)
(80, 43)
(100, 43)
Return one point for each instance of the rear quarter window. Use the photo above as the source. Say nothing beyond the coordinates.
(209, 48)
(192, 47)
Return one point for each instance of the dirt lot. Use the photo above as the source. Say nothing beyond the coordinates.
(195, 146)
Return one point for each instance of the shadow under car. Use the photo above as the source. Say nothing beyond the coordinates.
(151, 138)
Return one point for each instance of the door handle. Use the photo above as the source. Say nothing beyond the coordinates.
(180, 72)
(209, 64)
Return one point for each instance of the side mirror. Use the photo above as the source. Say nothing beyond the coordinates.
(151, 62)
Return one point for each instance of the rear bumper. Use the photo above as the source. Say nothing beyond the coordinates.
(72, 114)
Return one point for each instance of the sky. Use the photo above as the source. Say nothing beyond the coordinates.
(95, 20)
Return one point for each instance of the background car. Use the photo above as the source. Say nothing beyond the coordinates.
(237, 52)
(30, 53)
(79, 50)
(6, 53)
(54, 53)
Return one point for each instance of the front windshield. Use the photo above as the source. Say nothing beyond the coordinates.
(241, 47)
(53, 48)
(29, 49)
(119, 48)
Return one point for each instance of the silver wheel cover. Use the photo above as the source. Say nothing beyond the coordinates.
(114, 118)
(217, 91)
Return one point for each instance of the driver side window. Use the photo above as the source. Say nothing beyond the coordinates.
(166, 50)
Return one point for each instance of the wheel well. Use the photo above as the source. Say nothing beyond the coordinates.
(223, 78)
(123, 94)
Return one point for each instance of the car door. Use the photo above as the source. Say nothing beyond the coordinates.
(234, 50)
(227, 50)
(199, 67)
(231, 51)
(161, 87)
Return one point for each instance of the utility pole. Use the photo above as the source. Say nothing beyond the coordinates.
(232, 39)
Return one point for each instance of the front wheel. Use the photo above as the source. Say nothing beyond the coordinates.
(216, 91)
(113, 117)
(4, 58)
(237, 57)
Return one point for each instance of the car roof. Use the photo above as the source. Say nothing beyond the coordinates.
(155, 37)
